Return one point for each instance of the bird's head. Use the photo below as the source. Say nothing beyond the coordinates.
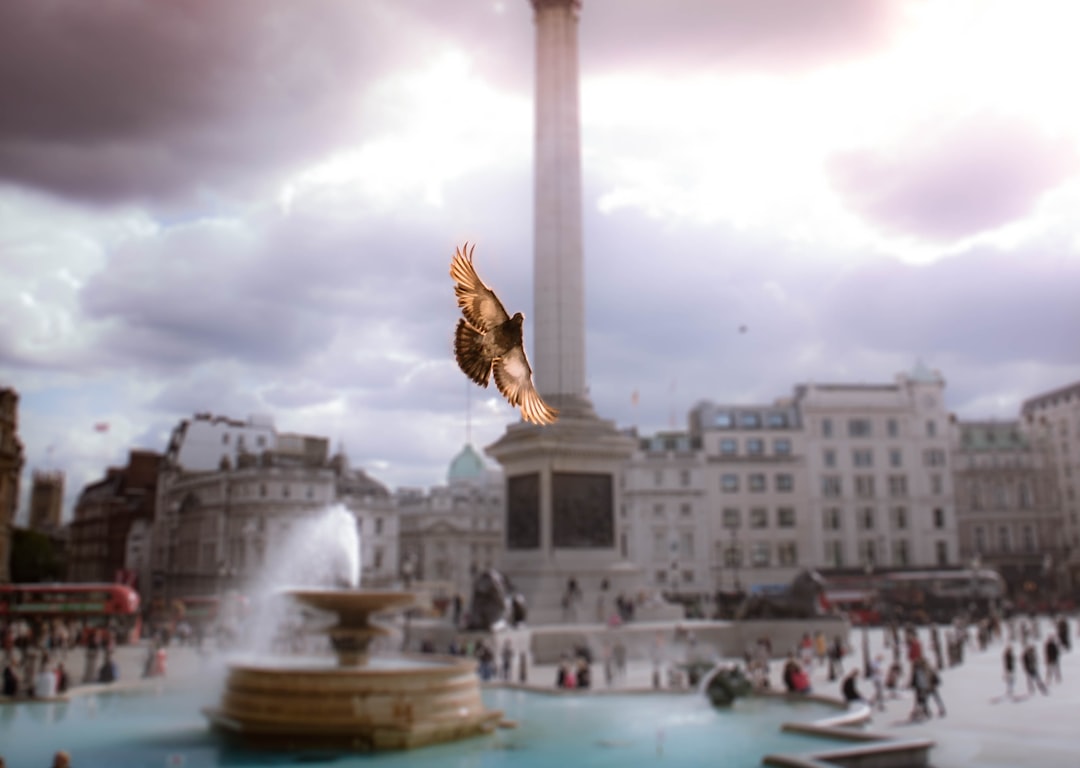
(517, 319)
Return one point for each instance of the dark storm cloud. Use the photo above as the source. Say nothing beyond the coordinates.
(954, 182)
(162, 101)
(135, 99)
(990, 306)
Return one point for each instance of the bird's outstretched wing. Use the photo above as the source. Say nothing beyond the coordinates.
(478, 303)
(513, 377)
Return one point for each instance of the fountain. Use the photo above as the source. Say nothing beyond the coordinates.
(354, 700)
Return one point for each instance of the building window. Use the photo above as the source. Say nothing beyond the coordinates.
(834, 553)
(759, 554)
(658, 478)
(225, 439)
(686, 510)
(899, 518)
(661, 577)
(777, 420)
(832, 519)
(980, 539)
(759, 517)
(781, 446)
(867, 552)
(937, 485)
(893, 428)
(785, 517)
(756, 482)
(934, 457)
(862, 457)
(660, 545)
(898, 486)
(939, 517)
(864, 486)
(1025, 496)
(658, 510)
(260, 441)
(729, 446)
(941, 549)
(830, 457)
(1004, 539)
(1029, 538)
(931, 428)
(785, 482)
(787, 553)
(311, 492)
(859, 428)
(723, 419)
(729, 483)
(755, 446)
(749, 420)
(866, 518)
(826, 427)
(901, 553)
(378, 526)
(733, 555)
(686, 544)
(684, 477)
(896, 458)
(831, 487)
(262, 490)
(732, 518)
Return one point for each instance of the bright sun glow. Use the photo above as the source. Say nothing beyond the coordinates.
(754, 151)
(445, 123)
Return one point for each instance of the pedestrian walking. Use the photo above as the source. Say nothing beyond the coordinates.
(920, 682)
(1063, 633)
(934, 689)
(1052, 654)
(1030, 660)
(1008, 661)
(877, 677)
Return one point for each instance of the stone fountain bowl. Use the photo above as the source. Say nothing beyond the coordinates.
(402, 702)
(351, 605)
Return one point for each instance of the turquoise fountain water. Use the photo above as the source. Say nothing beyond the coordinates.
(165, 729)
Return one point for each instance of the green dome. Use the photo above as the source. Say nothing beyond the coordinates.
(467, 465)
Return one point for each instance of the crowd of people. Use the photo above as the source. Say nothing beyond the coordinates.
(36, 656)
(1020, 637)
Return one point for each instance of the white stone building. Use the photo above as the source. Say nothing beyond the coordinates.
(1055, 418)
(839, 476)
(452, 532)
(376, 521)
(877, 464)
(219, 518)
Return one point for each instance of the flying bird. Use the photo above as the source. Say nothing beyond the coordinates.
(488, 342)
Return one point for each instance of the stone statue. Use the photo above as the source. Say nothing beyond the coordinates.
(801, 600)
(494, 602)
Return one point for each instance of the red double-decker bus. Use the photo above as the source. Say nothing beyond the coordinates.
(112, 606)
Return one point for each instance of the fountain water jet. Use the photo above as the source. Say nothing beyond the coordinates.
(355, 701)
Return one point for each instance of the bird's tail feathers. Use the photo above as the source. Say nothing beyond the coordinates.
(469, 351)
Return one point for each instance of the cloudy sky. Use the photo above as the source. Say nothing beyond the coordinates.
(250, 206)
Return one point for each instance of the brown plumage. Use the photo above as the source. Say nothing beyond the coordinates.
(488, 341)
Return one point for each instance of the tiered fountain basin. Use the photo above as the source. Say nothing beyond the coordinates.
(353, 701)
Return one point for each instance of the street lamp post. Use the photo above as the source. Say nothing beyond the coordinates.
(867, 671)
(976, 566)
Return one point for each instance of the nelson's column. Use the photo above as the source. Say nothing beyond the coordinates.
(562, 480)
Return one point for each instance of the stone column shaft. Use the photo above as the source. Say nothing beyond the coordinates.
(559, 268)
